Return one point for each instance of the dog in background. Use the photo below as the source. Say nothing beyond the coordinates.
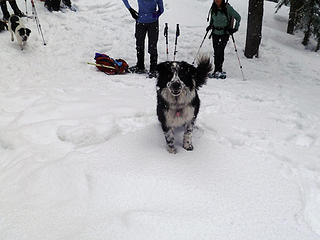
(3, 26)
(178, 102)
(17, 29)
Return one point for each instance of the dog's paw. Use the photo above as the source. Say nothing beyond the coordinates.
(172, 150)
(188, 146)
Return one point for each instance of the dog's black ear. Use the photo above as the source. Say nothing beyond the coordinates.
(188, 69)
(163, 67)
(164, 74)
(28, 31)
(204, 67)
(22, 31)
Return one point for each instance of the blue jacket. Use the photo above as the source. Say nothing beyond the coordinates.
(148, 12)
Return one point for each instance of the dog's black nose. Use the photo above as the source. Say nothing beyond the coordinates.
(24, 39)
(176, 86)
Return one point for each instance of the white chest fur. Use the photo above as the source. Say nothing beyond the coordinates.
(180, 110)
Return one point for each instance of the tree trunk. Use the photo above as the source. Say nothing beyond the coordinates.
(318, 45)
(254, 29)
(295, 6)
(307, 33)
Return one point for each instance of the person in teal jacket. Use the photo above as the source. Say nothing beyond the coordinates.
(221, 17)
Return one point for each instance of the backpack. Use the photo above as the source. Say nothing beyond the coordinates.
(111, 66)
(52, 5)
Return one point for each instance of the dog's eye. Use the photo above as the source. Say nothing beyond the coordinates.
(22, 32)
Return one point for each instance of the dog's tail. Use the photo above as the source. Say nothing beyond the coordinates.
(204, 67)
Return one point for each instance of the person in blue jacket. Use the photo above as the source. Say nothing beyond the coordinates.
(146, 23)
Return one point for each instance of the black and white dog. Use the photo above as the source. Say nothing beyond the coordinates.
(3, 26)
(17, 28)
(178, 100)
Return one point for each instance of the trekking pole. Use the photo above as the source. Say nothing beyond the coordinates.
(100, 65)
(176, 43)
(34, 12)
(167, 42)
(235, 48)
(195, 58)
(25, 1)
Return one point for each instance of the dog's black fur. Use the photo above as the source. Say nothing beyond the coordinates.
(3, 26)
(17, 29)
(14, 21)
(178, 100)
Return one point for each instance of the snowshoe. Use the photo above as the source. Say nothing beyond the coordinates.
(67, 6)
(137, 70)
(152, 74)
(218, 75)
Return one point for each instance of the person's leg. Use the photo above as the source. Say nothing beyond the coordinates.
(15, 8)
(6, 14)
(223, 44)
(141, 31)
(153, 36)
(216, 41)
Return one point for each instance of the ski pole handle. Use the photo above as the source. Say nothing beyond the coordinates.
(166, 30)
(177, 33)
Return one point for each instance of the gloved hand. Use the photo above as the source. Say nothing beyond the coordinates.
(134, 13)
(232, 30)
(210, 27)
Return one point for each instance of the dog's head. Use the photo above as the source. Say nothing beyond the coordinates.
(178, 76)
(24, 33)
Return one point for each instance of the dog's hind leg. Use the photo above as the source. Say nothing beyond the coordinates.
(169, 135)
(187, 137)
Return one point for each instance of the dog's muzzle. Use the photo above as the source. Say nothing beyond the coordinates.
(175, 87)
(25, 38)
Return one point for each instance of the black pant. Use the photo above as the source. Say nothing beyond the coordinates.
(219, 44)
(152, 29)
(5, 11)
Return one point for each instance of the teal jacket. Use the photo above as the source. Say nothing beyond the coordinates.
(221, 22)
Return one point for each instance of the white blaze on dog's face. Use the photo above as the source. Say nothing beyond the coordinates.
(175, 86)
(176, 77)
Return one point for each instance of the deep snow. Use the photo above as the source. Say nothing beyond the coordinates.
(82, 155)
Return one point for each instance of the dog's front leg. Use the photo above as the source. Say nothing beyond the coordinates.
(169, 135)
(187, 137)
(12, 38)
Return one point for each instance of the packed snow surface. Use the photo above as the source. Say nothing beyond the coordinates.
(82, 155)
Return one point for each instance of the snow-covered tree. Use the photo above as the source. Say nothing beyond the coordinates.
(304, 15)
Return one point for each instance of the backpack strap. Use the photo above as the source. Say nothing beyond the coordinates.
(226, 13)
(210, 12)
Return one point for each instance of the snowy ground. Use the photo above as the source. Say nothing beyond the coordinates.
(82, 155)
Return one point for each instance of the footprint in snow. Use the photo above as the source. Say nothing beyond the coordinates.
(302, 140)
(82, 136)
